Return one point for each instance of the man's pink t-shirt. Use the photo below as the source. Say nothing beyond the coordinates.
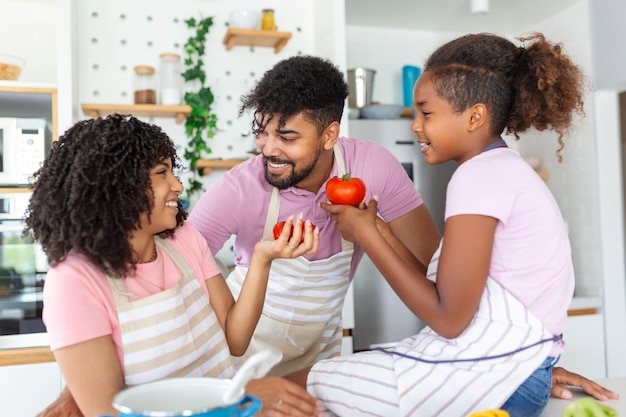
(238, 203)
(79, 305)
(531, 254)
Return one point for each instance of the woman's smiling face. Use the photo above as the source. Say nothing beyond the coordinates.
(166, 188)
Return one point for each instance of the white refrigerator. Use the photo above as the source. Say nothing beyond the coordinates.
(380, 317)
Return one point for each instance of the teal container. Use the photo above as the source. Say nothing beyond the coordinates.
(410, 74)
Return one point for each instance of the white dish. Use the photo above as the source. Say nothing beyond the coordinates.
(381, 111)
(244, 19)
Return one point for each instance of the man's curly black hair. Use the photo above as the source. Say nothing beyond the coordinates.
(93, 187)
(307, 84)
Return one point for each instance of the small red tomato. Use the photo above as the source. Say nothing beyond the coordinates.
(278, 229)
(345, 190)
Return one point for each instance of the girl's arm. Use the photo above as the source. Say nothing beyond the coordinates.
(93, 375)
(239, 319)
(448, 305)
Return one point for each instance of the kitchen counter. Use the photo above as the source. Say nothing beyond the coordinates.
(556, 406)
(34, 347)
(23, 349)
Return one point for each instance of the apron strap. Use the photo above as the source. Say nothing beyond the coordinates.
(272, 214)
(121, 295)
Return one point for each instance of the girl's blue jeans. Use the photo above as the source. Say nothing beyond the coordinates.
(532, 396)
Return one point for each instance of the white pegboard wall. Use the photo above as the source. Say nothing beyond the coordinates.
(116, 35)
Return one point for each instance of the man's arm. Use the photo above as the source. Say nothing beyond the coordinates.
(417, 231)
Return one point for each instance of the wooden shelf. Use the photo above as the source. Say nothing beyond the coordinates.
(138, 110)
(543, 175)
(16, 190)
(206, 165)
(251, 37)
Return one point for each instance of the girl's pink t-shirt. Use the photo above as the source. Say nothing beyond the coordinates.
(531, 254)
(78, 302)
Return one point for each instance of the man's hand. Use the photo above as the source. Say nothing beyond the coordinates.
(63, 406)
(281, 397)
(561, 378)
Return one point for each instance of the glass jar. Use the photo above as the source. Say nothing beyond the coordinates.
(267, 20)
(170, 79)
(145, 85)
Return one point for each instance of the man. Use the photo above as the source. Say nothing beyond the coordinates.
(297, 107)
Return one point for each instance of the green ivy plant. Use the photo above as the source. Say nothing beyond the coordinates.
(201, 124)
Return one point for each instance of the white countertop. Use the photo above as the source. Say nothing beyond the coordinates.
(556, 406)
(21, 341)
(585, 302)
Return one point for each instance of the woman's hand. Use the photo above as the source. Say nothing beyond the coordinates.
(561, 378)
(63, 406)
(305, 240)
(283, 398)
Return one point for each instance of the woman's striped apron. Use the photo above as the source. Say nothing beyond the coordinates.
(173, 333)
(301, 317)
(379, 383)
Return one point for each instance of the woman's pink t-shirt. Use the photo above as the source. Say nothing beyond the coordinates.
(77, 301)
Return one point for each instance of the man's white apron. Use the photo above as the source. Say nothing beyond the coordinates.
(386, 383)
(173, 333)
(301, 317)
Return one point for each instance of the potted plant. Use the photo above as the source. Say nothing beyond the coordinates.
(201, 124)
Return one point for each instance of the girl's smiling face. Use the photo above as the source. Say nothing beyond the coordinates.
(165, 188)
(443, 133)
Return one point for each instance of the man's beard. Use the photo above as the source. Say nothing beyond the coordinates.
(294, 177)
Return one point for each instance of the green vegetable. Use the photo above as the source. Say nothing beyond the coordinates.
(588, 407)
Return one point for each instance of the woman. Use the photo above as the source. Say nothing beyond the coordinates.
(133, 294)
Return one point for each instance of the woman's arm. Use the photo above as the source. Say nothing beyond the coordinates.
(240, 319)
(93, 375)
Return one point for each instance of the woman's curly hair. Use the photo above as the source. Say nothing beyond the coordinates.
(535, 85)
(92, 188)
(307, 84)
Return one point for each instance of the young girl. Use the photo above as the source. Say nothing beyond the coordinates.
(133, 293)
(497, 289)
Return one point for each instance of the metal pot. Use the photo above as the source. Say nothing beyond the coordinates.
(360, 85)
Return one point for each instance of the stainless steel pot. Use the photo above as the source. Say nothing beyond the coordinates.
(360, 85)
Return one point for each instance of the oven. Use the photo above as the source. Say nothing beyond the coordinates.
(22, 270)
(23, 146)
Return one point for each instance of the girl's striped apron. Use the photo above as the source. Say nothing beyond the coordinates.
(379, 383)
(173, 333)
(301, 317)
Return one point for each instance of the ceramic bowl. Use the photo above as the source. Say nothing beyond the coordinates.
(381, 111)
(244, 19)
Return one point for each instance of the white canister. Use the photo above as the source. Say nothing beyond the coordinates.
(170, 79)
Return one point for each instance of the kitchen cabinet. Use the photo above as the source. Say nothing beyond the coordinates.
(28, 389)
(250, 37)
(584, 337)
(95, 110)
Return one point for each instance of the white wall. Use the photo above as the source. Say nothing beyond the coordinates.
(28, 30)
(387, 50)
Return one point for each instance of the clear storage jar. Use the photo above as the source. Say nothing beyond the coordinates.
(170, 79)
(144, 85)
